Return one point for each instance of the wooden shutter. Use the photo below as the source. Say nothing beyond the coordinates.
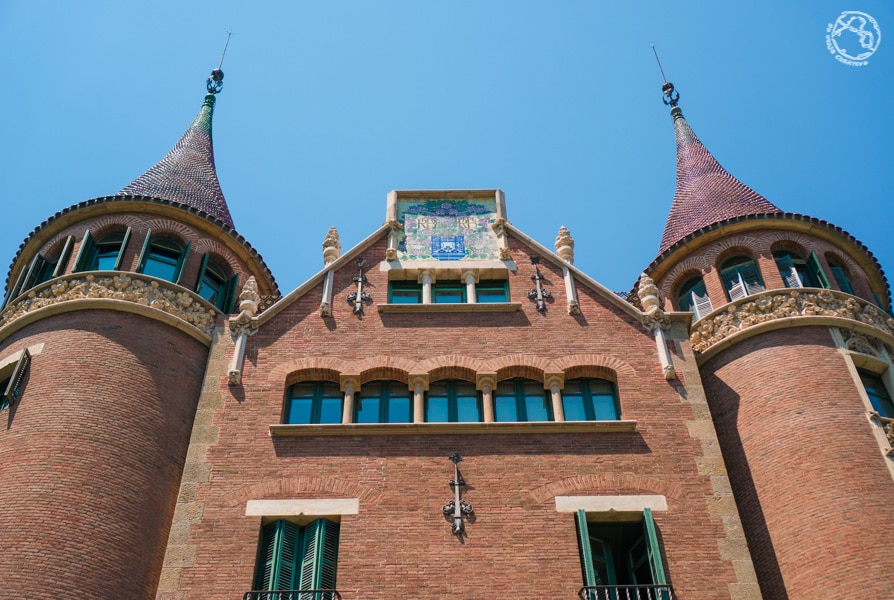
(751, 278)
(13, 291)
(841, 279)
(586, 553)
(63, 257)
(202, 268)
(229, 296)
(652, 549)
(788, 272)
(310, 559)
(84, 257)
(266, 557)
(701, 301)
(328, 558)
(11, 393)
(287, 559)
(124, 241)
(816, 268)
(181, 263)
(33, 271)
(144, 252)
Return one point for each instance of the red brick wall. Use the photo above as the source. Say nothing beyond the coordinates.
(399, 545)
(91, 455)
(809, 478)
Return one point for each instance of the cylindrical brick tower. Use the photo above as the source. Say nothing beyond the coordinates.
(794, 346)
(109, 312)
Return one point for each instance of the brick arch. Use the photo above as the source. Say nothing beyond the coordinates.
(288, 371)
(521, 363)
(789, 245)
(682, 278)
(520, 371)
(384, 367)
(608, 483)
(171, 227)
(288, 487)
(724, 248)
(452, 366)
(384, 373)
(850, 267)
(734, 250)
(690, 263)
(611, 363)
(219, 252)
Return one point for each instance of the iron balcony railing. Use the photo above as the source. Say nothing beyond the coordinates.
(292, 595)
(627, 592)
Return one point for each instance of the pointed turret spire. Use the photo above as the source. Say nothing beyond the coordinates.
(706, 193)
(187, 174)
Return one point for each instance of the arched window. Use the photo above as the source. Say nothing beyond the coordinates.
(741, 277)
(799, 272)
(519, 400)
(41, 270)
(383, 402)
(840, 275)
(590, 400)
(693, 297)
(103, 254)
(452, 401)
(214, 286)
(163, 258)
(314, 402)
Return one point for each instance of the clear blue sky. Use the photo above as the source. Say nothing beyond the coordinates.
(329, 105)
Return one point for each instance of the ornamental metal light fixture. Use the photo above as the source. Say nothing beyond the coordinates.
(359, 298)
(457, 507)
(538, 294)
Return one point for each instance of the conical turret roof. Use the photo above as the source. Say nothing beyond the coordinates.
(187, 174)
(706, 193)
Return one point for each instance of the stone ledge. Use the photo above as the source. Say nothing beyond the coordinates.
(450, 308)
(282, 430)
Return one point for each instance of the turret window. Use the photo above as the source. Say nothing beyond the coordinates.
(41, 270)
(839, 273)
(214, 285)
(693, 297)
(878, 394)
(797, 272)
(741, 277)
(163, 258)
(104, 254)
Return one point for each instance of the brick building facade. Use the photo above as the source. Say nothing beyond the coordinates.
(448, 409)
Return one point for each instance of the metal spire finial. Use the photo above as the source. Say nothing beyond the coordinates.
(671, 96)
(215, 82)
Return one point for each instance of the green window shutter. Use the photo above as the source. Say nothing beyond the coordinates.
(787, 272)
(121, 251)
(752, 278)
(86, 252)
(144, 252)
(816, 268)
(33, 271)
(841, 279)
(181, 263)
(310, 557)
(13, 291)
(328, 557)
(586, 553)
(11, 393)
(266, 557)
(202, 268)
(652, 549)
(63, 257)
(287, 558)
(229, 296)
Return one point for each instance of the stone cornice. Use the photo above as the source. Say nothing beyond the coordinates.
(113, 290)
(777, 309)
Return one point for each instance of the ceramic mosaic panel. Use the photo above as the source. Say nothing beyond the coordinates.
(447, 229)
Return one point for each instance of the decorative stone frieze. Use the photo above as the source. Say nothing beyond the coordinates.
(857, 342)
(126, 287)
(775, 305)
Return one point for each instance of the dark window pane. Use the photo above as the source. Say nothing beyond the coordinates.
(330, 410)
(436, 410)
(406, 297)
(467, 409)
(536, 407)
(505, 409)
(399, 409)
(367, 410)
(299, 410)
(448, 296)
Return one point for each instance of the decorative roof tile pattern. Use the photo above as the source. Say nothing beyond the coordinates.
(706, 192)
(187, 174)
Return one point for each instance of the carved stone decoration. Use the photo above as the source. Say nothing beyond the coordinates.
(857, 342)
(249, 298)
(656, 320)
(788, 304)
(889, 432)
(648, 293)
(565, 245)
(243, 324)
(331, 246)
(131, 287)
(395, 227)
(573, 307)
(325, 309)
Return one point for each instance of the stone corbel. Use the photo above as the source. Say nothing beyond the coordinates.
(418, 384)
(243, 326)
(657, 322)
(487, 383)
(554, 382)
(394, 227)
(499, 227)
(350, 385)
